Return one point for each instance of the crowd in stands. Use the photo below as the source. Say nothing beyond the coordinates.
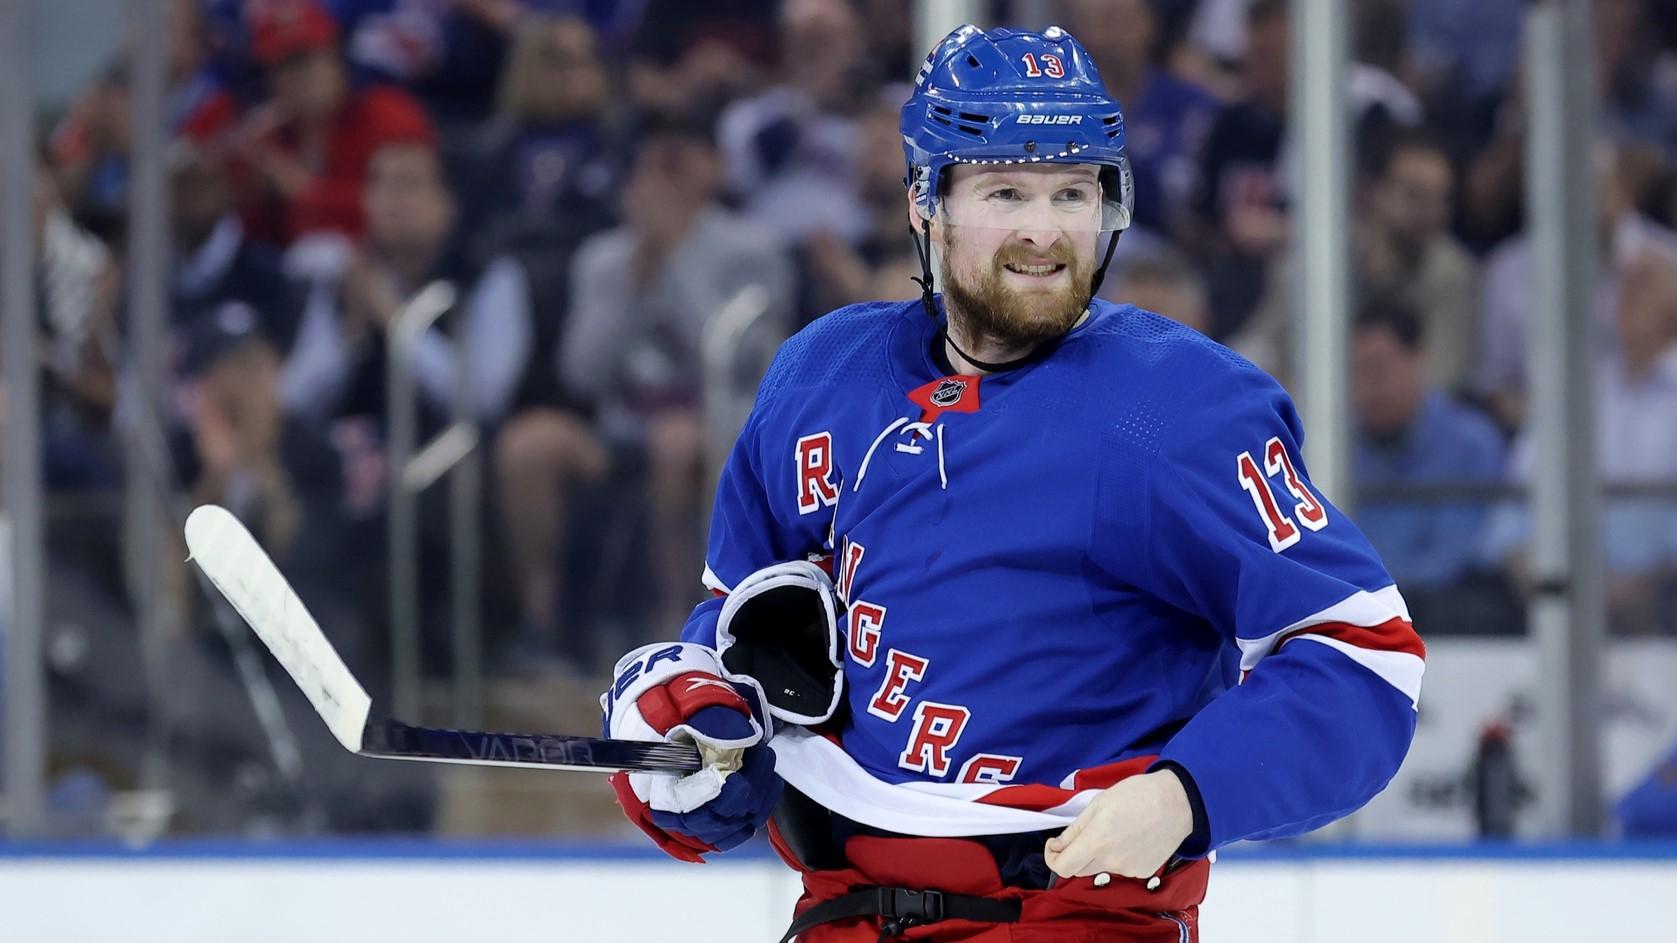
(598, 179)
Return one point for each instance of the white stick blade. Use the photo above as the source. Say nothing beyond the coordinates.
(243, 572)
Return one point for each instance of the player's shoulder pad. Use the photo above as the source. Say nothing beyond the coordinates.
(849, 342)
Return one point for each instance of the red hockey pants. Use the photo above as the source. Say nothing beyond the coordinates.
(1074, 911)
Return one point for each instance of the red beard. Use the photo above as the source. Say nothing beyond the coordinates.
(992, 311)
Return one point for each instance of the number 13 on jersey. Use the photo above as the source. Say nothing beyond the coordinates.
(1309, 510)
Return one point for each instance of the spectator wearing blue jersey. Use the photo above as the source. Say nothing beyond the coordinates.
(1411, 433)
(447, 54)
(544, 171)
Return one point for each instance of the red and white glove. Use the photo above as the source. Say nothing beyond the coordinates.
(679, 692)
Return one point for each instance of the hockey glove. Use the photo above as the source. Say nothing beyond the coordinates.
(677, 692)
(780, 625)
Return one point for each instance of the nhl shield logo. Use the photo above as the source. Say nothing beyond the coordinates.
(948, 392)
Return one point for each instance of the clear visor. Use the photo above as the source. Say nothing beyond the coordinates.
(1044, 198)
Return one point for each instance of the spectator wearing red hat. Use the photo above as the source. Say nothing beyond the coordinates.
(308, 146)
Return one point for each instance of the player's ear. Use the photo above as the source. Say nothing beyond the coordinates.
(916, 220)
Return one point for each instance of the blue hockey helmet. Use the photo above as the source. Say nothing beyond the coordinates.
(1014, 97)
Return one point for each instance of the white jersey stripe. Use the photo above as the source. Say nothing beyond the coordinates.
(822, 770)
(1361, 608)
(1401, 670)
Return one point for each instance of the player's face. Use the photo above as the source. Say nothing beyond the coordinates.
(1018, 247)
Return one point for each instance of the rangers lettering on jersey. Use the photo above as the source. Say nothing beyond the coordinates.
(814, 457)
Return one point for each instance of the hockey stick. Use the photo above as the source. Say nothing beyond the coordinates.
(244, 574)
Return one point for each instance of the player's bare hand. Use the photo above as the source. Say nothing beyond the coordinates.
(1130, 830)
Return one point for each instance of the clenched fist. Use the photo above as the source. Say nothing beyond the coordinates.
(1131, 829)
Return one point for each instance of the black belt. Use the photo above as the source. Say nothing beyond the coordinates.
(904, 908)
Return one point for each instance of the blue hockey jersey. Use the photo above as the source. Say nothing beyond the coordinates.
(1064, 573)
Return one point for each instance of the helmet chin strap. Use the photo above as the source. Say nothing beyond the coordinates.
(923, 247)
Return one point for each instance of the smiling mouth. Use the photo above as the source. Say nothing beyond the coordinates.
(1035, 271)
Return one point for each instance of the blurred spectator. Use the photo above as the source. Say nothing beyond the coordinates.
(239, 449)
(91, 142)
(1636, 400)
(1403, 250)
(1165, 118)
(890, 38)
(546, 167)
(790, 152)
(1241, 199)
(1465, 50)
(1636, 86)
(542, 457)
(691, 59)
(1245, 166)
(1217, 44)
(77, 286)
(308, 146)
(337, 366)
(1164, 282)
(1410, 433)
(613, 21)
(1624, 235)
(214, 262)
(1464, 63)
(1493, 184)
(642, 297)
(450, 52)
(90, 148)
(1636, 76)
(839, 273)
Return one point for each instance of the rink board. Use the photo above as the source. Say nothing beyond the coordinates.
(513, 893)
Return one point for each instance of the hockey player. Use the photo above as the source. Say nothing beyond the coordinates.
(1087, 619)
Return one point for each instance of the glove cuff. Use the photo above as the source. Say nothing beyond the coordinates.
(780, 625)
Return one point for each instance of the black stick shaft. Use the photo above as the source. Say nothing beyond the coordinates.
(393, 739)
